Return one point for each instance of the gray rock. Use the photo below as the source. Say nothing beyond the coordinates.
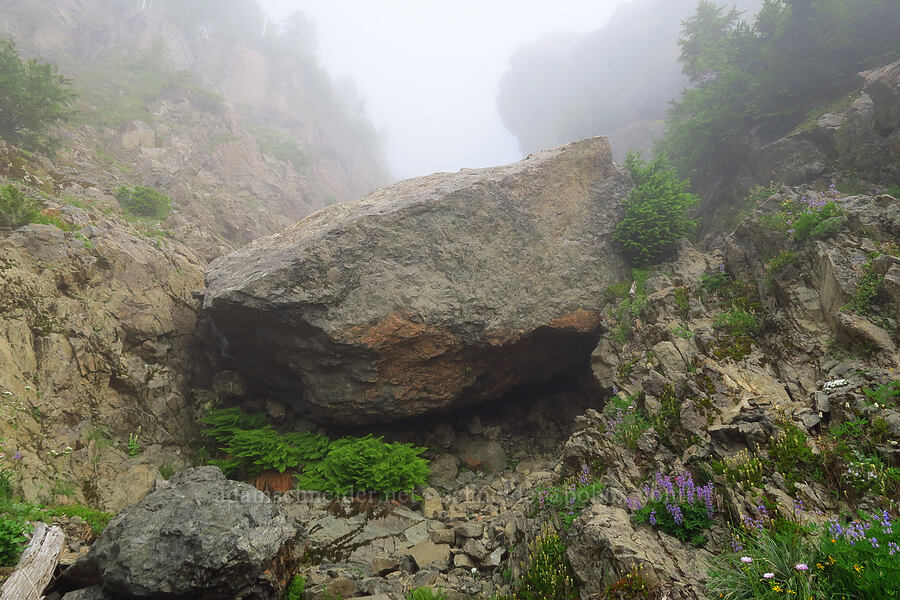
(481, 455)
(443, 471)
(92, 593)
(856, 328)
(476, 549)
(469, 530)
(198, 535)
(438, 291)
(443, 536)
(605, 540)
(432, 505)
(463, 561)
(670, 359)
(430, 555)
(496, 557)
(383, 566)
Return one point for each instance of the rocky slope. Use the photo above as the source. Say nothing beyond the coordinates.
(244, 131)
(718, 352)
(97, 316)
(97, 325)
(707, 395)
(857, 140)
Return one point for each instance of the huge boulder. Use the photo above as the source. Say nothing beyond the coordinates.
(434, 292)
(197, 536)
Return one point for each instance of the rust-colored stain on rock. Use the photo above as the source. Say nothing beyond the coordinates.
(581, 320)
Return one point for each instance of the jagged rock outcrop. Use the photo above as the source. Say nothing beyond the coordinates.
(96, 325)
(864, 137)
(197, 536)
(438, 291)
(858, 141)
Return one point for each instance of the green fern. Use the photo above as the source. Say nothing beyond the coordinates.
(222, 423)
(367, 464)
(252, 447)
(344, 466)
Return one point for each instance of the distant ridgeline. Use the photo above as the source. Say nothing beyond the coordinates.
(616, 81)
(770, 71)
(168, 62)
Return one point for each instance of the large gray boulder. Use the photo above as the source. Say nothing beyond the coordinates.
(198, 536)
(437, 291)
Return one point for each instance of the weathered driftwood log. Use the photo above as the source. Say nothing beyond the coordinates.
(36, 566)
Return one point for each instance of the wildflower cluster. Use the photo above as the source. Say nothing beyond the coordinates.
(625, 421)
(633, 586)
(676, 506)
(744, 469)
(569, 498)
(865, 472)
(547, 573)
(886, 394)
(853, 462)
(812, 217)
(864, 556)
(778, 558)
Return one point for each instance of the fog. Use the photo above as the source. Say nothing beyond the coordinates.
(429, 71)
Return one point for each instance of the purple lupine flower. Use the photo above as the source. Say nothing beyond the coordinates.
(675, 511)
(584, 478)
(736, 544)
(542, 498)
(874, 542)
(893, 548)
(17, 455)
(653, 517)
(835, 529)
(885, 521)
(798, 507)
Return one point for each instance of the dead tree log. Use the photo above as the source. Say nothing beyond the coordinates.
(36, 566)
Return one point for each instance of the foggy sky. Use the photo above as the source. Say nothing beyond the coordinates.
(429, 70)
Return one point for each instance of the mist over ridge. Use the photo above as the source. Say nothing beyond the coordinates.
(616, 80)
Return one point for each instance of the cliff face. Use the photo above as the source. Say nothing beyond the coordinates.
(245, 132)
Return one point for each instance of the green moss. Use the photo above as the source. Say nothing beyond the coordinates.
(120, 88)
(682, 301)
(282, 146)
(669, 417)
(737, 323)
